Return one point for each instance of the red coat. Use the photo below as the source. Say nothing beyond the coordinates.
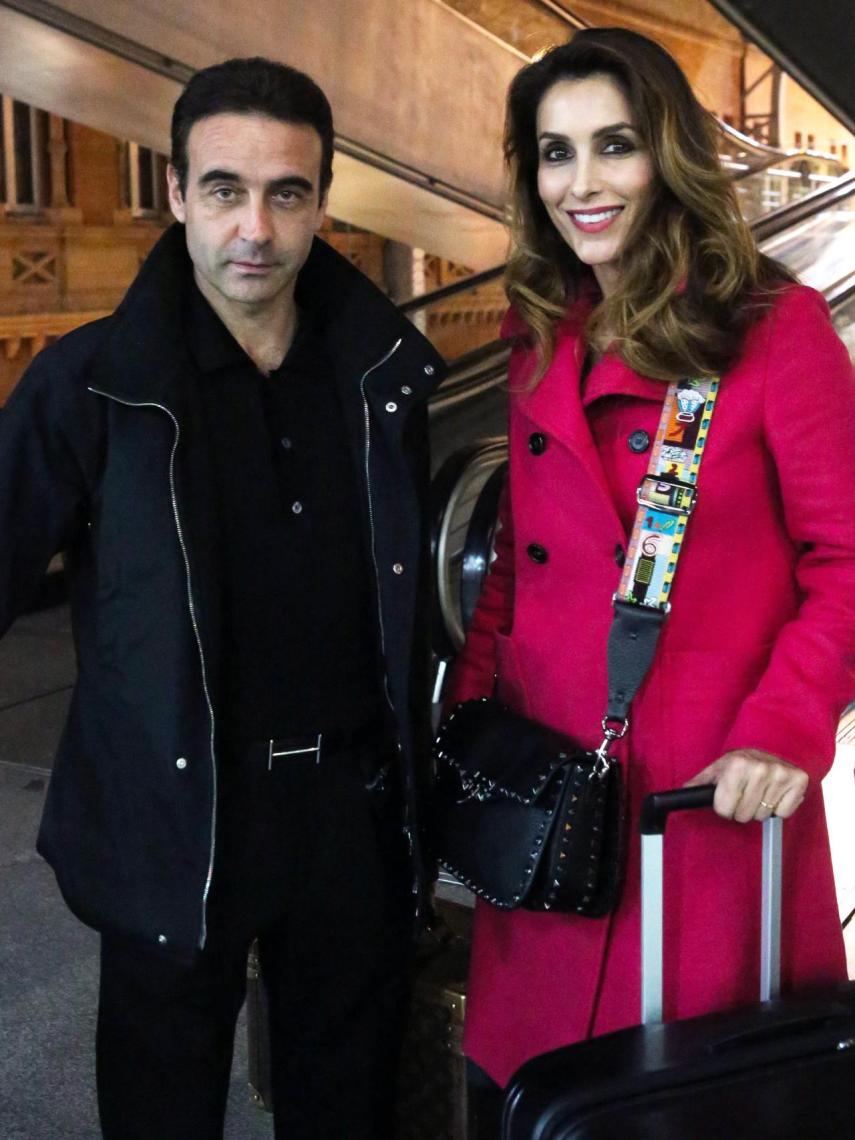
(759, 651)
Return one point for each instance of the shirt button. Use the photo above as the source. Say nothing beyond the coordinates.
(537, 553)
(406, 390)
(537, 443)
(297, 507)
(286, 442)
(429, 370)
(181, 763)
(638, 441)
(391, 406)
(398, 568)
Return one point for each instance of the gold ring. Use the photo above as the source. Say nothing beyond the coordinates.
(771, 807)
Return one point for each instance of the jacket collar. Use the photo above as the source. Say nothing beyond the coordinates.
(146, 358)
(557, 407)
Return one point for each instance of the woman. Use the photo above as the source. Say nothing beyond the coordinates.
(631, 267)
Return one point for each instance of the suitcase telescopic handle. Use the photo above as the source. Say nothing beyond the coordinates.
(654, 816)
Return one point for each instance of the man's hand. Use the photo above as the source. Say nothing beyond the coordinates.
(751, 784)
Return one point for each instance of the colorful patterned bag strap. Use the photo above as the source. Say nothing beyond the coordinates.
(666, 498)
(668, 493)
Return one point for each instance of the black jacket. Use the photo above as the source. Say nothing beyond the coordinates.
(97, 458)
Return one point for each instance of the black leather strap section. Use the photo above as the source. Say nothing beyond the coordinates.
(632, 644)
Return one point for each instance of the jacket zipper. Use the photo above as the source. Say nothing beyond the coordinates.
(366, 412)
(194, 623)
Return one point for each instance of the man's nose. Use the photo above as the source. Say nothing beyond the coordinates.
(255, 221)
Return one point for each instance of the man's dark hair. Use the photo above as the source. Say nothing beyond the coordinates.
(252, 87)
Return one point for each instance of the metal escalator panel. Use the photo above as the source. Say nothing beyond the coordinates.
(820, 248)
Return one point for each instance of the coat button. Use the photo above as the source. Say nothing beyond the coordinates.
(181, 763)
(537, 443)
(162, 939)
(429, 370)
(406, 390)
(638, 441)
(397, 568)
(620, 555)
(297, 507)
(391, 406)
(536, 552)
(286, 442)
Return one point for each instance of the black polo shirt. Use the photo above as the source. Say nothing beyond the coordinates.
(299, 633)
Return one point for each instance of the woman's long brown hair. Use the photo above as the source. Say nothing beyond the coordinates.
(691, 277)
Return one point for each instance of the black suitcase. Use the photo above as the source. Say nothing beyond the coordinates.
(781, 1069)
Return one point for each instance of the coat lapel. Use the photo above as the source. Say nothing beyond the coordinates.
(555, 407)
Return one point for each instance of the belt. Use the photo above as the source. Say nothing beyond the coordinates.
(315, 746)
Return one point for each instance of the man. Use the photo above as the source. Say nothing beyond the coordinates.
(235, 465)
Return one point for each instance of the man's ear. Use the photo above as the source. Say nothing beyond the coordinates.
(322, 209)
(176, 197)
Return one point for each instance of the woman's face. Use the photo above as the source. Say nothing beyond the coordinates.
(594, 172)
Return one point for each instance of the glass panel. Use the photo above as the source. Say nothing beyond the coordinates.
(786, 180)
(821, 250)
(464, 321)
(23, 155)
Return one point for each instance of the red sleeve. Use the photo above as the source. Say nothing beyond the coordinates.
(809, 407)
(473, 673)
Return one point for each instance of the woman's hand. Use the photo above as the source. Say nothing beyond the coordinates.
(751, 784)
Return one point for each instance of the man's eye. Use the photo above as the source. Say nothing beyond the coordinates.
(223, 193)
(286, 197)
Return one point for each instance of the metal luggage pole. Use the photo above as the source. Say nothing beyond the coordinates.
(654, 816)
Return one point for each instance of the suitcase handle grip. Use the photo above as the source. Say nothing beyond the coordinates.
(654, 815)
(659, 805)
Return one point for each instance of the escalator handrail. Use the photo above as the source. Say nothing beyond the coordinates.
(445, 291)
(771, 225)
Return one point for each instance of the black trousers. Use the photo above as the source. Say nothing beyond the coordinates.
(313, 863)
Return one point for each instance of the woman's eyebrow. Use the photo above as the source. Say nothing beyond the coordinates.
(599, 133)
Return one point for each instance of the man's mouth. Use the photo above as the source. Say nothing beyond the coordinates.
(594, 221)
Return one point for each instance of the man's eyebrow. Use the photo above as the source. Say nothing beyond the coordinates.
(218, 176)
(608, 130)
(291, 182)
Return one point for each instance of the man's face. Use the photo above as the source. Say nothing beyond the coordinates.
(251, 206)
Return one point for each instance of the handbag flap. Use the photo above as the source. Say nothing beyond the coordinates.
(499, 753)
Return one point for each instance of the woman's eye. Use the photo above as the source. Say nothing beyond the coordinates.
(556, 152)
(618, 146)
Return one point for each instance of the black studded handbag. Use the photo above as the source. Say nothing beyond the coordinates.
(524, 816)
